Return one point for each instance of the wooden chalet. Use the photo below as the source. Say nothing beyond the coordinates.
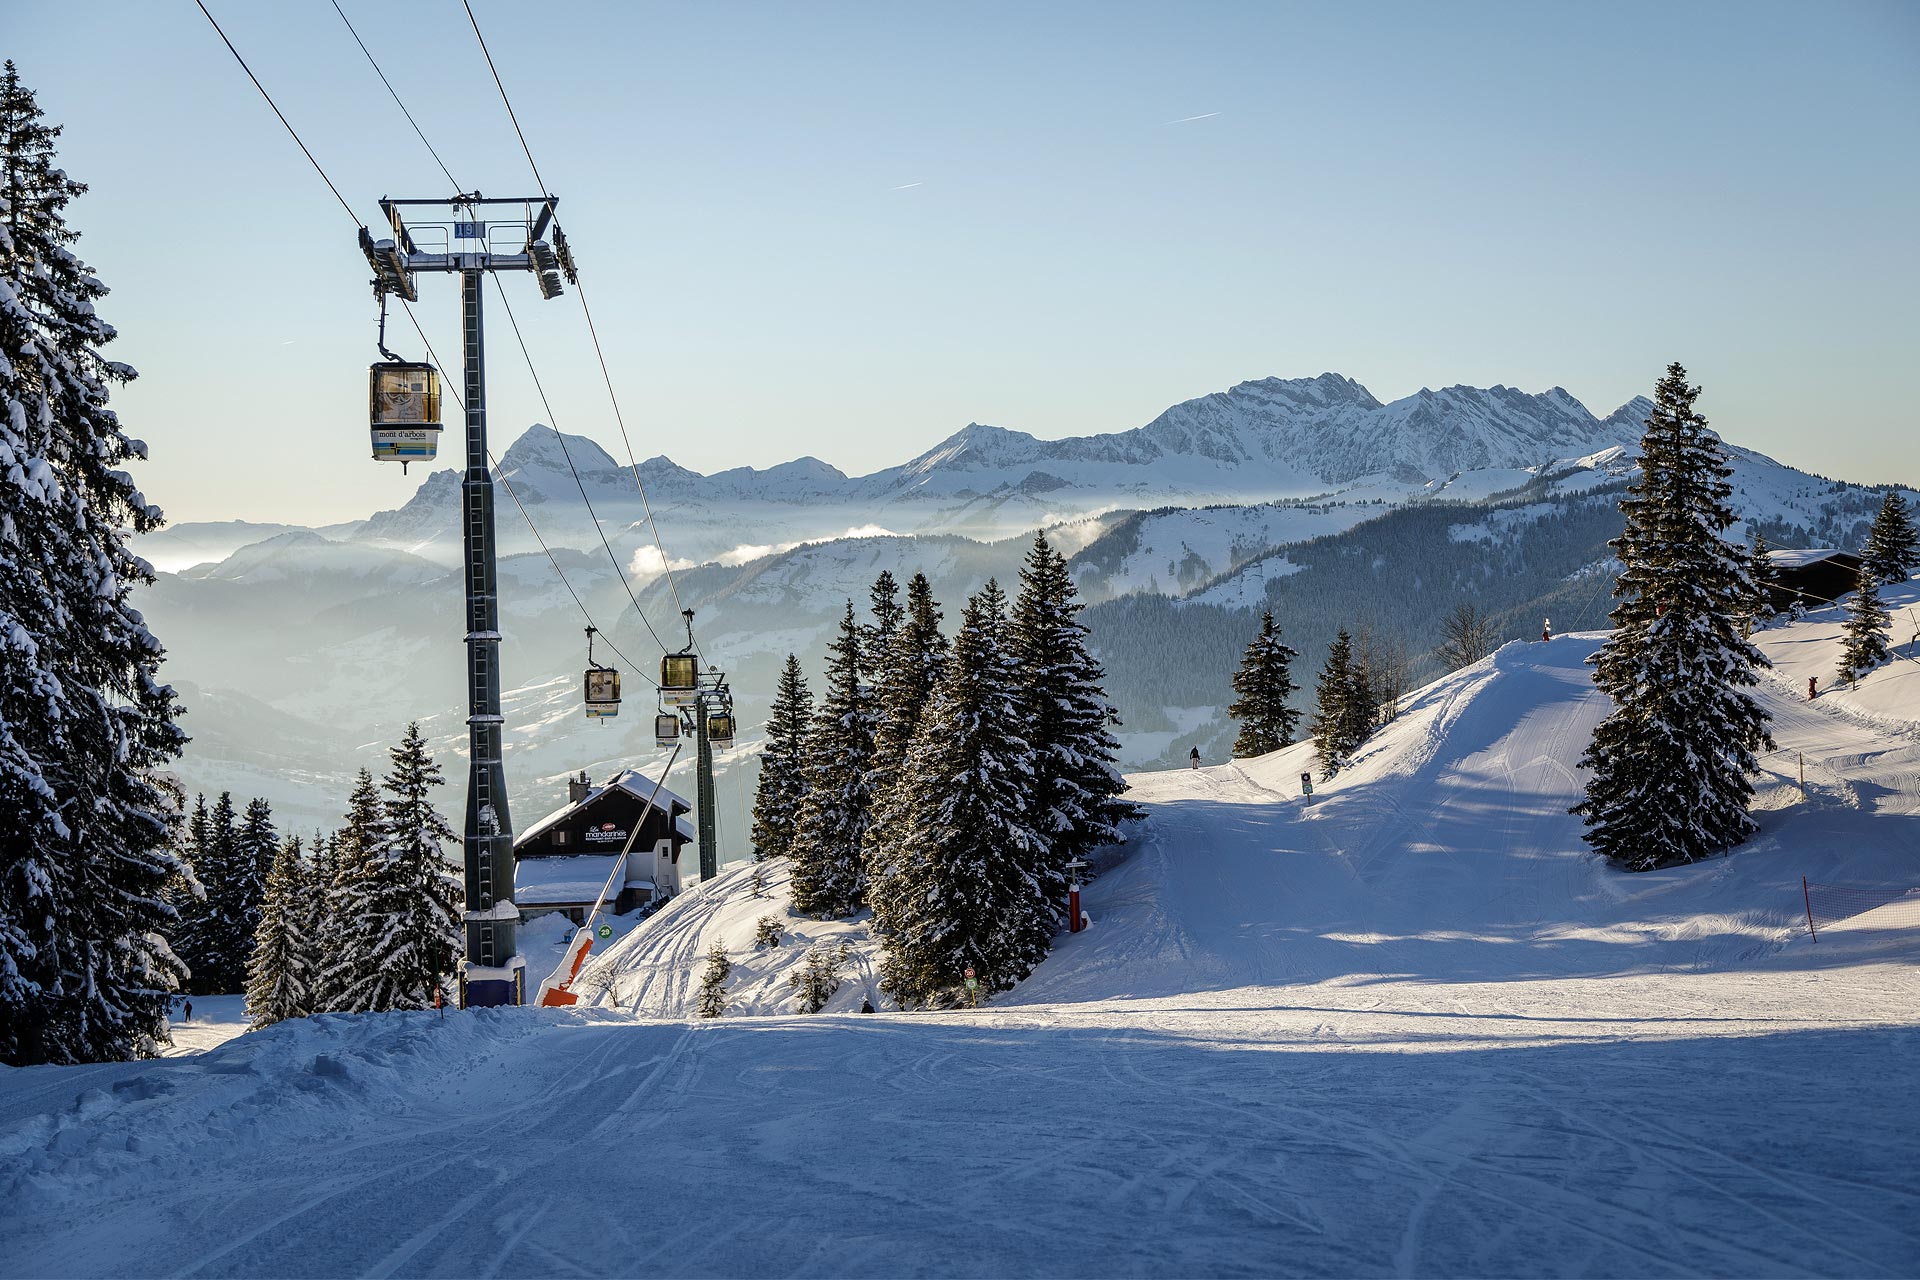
(565, 859)
(1813, 577)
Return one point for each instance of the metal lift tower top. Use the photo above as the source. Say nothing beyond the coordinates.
(472, 236)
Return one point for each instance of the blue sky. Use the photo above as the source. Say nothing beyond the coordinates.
(848, 230)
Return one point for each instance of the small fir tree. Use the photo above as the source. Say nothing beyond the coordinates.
(713, 982)
(279, 981)
(817, 978)
(783, 761)
(87, 814)
(1670, 764)
(1337, 710)
(256, 847)
(1466, 636)
(1865, 645)
(828, 877)
(1765, 576)
(963, 885)
(767, 931)
(1892, 548)
(1264, 682)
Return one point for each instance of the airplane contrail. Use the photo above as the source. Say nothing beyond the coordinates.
(907, 186)
(1190, 119)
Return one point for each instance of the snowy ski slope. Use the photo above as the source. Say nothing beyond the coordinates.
(1411, 1029)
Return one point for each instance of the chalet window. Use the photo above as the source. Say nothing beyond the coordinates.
(563, 837)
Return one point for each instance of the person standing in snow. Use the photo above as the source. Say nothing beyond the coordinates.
(1193, 758)
(1546, 628)
(189, 1010)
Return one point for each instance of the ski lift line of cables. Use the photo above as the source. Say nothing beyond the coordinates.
(567, 453)
(281, 116)
(593, 331)
(525, 354)
(522, 507)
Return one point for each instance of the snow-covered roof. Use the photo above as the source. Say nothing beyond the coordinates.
(549, 881)
(631, 781)
(1789, 558)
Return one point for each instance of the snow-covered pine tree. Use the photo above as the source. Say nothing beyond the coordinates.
(356, 933)
(1670, 763)
(227, 933)
(712, 1000)
(1865, 646)
(401, 906)
(1334, 713)
(1760, 568)
(1074, 796)
(903, 683)
(86, 727)
(828, 878)
(321, 927)
(776, 804)
(1466, 636)
(188, 894)
(256, 847)
(962, 889)
(1264, 681)
(279, 984)
(1892, 548)
(884, 603)
(816, 979)
(426, 895)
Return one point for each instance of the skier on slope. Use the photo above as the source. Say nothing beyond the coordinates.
(1193, 758)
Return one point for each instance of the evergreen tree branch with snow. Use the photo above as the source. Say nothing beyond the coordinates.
(88, 867)
(1670, 763)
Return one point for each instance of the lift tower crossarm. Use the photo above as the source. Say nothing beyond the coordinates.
(427, 237)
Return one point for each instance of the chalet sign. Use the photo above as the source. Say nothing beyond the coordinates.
(603, 833)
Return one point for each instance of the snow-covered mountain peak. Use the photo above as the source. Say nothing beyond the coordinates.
(541, 448)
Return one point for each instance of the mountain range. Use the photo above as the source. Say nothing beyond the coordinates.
(1306, 495)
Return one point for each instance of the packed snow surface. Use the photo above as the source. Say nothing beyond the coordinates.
(1412, 1028)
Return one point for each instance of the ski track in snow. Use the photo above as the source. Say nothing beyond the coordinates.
(1411, 1029)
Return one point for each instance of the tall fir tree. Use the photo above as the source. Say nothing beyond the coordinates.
(1670, 763)
(1338, 711)
(1074, 798)
(419, 893)
(256, 849)
(964, 890)
(321, 925)
(1891, 546)
(828, 876)
(1264, 682)
(1865, 646)
(903, 684)
(776, 802)
(279, 980)
(226, 929)
(190, 939)
(86, 726)
(884, 604)
(355, 935)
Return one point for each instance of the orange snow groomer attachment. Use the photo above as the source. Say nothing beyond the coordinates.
(559, 994)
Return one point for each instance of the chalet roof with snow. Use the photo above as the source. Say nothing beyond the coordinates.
(1800, 558)
(633, 785)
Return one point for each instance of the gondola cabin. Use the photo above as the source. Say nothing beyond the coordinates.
(404, 405)
(720, 731)
(666, 730)
(679, 680)
(602, 693)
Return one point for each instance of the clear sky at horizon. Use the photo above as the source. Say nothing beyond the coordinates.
(849, 230)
